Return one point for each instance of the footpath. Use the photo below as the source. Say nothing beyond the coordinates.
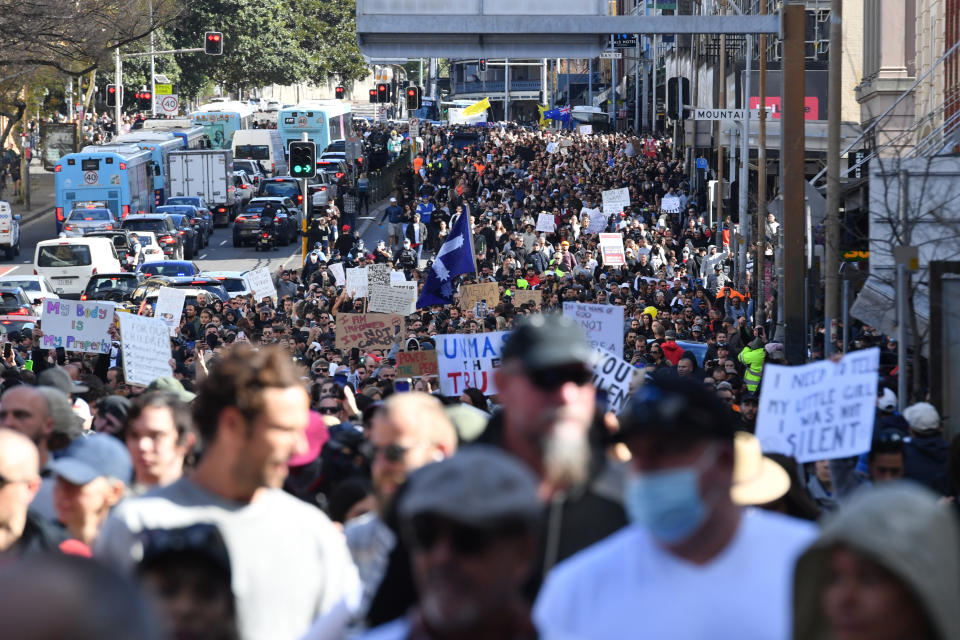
(42, 194)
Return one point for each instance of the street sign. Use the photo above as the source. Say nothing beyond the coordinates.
(414, 127)
(163, 89)
(169, 105)
(701, 163)
(160, 78)
(719, 114)
(611, 55)
(624, 40)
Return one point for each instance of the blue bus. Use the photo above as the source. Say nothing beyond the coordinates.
(220, 119)
(192, 136)
(159, 144)
(322, 121)
(121, 178)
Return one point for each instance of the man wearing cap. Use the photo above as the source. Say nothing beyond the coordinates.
(926, 453)
(92, 475)
(393, 214)
(471, 523)
(692, 565)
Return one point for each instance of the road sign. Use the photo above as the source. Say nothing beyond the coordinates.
(90, 177)
(701, 163)
(169, 105)
(719, 114)
(160, 78)
(414, 127)
(163, 89)
(611, 55)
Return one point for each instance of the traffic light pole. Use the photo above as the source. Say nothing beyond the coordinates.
(307, 205)
(118, 101)
(118, 74)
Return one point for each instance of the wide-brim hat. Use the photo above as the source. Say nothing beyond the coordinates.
(757, 480)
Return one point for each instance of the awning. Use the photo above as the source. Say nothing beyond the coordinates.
(876, 306)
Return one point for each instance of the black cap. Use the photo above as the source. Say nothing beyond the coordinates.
(548, 340)
(674, 406)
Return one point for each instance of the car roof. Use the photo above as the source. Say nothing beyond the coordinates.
(280, 199)
(80, 240)
(183, 279)
(117, 274)
(10, 289)
(223, 274)
(147, 216)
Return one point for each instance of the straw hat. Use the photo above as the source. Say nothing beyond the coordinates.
(757, 480)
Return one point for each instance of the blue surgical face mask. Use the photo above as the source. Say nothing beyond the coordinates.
(668, 503)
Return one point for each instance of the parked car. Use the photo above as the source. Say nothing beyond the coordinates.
(16, 309)
(247, 224)
(161, 225)
(37, 288)
(80, 222)
(113, 287)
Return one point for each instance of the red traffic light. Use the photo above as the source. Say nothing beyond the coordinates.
(111, 89)
(339, 92)
(411, 91)
(214, 37)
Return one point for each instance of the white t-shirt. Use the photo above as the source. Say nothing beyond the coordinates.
(627, 586)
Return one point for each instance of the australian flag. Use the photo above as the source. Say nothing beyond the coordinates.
(454, 258)
(561, 115)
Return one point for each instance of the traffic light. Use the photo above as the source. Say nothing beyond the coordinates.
(373, 95)
(340, 92)
(482, 64)
(111, 95)
(413, 98)
(383, 92)
(303, 159)
(213, 43)
(672, 97)
(143, 99)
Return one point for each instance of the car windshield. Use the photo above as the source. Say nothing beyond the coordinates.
(26, 285)
(233, 285)
(64, 255)
(282, 189)
(99, 284)
(253, 151)
(216, 289)
(182, 200)
(167, 269)
(89, 215)
(154, 225)
(10, 300)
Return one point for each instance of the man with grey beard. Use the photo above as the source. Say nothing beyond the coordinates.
(545, 388)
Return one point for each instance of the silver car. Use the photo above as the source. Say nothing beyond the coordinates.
(86, 220)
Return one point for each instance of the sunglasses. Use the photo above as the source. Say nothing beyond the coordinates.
(391, 452)
(555, 377)
(425, 532)
(328, 411)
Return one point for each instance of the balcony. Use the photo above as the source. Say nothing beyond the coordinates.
(494, 86)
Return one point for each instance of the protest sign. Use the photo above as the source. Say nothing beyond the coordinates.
(523, 296)
(546, 222)
(76, 326)
(146, 349)
(413, 364)
(613, 375)
(368, 331)
(471, 294)
(615, 200)
(386, 299)
(397, 276)
(378, 274)
(338, 276)
(469, 360)
(357, 282)
(819, 411)
(598, 222)
(412, 287)
(170, 307)
(670, 204)
(601, 323)
(261, 284)
(585, 129)
(552, 147)
(611, 248)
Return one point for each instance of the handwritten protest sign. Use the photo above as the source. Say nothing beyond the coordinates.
(585, 129)
(145, 344)
(77, 326)
(387, 299)
(523, 296)
(469, 360)
(546, 222)
(412, 287)
(613, 375)
(378, 274)
(611, 248)
(413, 364)
(357, 282)
(170, 307)
(261, 284)
(397, 276)
(471, 294)
(338, 276)
(670, 204)
(598, 222)
(615, 200)
(368, 331)
(819, 411)
(601, 323)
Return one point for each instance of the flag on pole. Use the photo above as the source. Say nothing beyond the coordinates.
(477, 107)
(559, 114)
(454, 258)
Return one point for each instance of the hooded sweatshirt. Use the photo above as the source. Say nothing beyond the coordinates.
(901, 527)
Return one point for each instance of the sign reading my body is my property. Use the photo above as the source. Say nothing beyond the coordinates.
(77, 326)
(819, 411)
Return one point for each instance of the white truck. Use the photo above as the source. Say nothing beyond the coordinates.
(207, 173)
(9, 231)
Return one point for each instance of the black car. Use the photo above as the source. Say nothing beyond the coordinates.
(195, 216)
(192, 241)
(283, 187)
(150, 286)
(114, 287)
(168, 235)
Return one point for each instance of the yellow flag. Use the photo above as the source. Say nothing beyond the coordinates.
(477, 107)
(542, 108)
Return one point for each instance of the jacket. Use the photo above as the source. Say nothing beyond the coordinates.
(925, 460)
(672, 351)
(902, 528)
(752, 359)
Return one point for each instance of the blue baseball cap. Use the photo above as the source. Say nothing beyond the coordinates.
(88, 458)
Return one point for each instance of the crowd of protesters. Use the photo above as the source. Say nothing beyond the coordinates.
(279, 485)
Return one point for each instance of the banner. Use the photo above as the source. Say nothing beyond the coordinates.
(611, 248)
(601, 323)
(585, 129)
(546, 222)
(615, 200)
(477, 108)
(387, 299)
(76, 326)
(471, 294)
(261, 284)
(468, 361)
(338, 276)
(368, 331)
(523, 296)
(819, 411)
(613, 375)
(413, 364)
(170, 307)
(146, 349)
(357, 282)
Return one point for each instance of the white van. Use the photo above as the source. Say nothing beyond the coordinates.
(69, 262)
(263, 145)
(9, 231)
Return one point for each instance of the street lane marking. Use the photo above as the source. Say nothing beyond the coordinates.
(223, 243)
(203, 257)
(5, 270)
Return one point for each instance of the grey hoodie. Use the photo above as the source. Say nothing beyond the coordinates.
(901, 527)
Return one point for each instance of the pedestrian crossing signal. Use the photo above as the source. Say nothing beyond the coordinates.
(340, 91)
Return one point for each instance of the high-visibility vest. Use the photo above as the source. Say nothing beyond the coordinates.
(752, 359)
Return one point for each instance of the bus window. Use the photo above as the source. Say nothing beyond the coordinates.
(253, 152)
(64, 255)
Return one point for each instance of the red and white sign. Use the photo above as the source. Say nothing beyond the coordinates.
(611, 248)
(169, 104)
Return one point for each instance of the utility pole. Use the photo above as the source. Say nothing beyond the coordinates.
(153, 71)
(758, 263)
(613, 87)
(745, 169)
(723, 104)
(831, 270)
(118, 84)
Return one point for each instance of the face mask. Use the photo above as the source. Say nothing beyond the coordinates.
(668, 503)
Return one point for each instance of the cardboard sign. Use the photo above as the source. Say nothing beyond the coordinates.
(471, 294)
(378, 274)
(76, 326)
(368, 331)
(611, 248)
(261, 284)
(468, 361)
(387, 299)
(601, 323)
(357, 282)
(170, 307)
(523, 296)
(670, 204)
(338, 276)
(615, 200)
(146, 348)
(546, 222)
(613, 375)
(397, 276)
(414, 364)
(819, 411)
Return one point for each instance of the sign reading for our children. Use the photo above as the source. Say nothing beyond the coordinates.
(469, 360)
(77, 326)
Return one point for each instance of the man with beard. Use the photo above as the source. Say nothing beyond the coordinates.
(471, 523)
